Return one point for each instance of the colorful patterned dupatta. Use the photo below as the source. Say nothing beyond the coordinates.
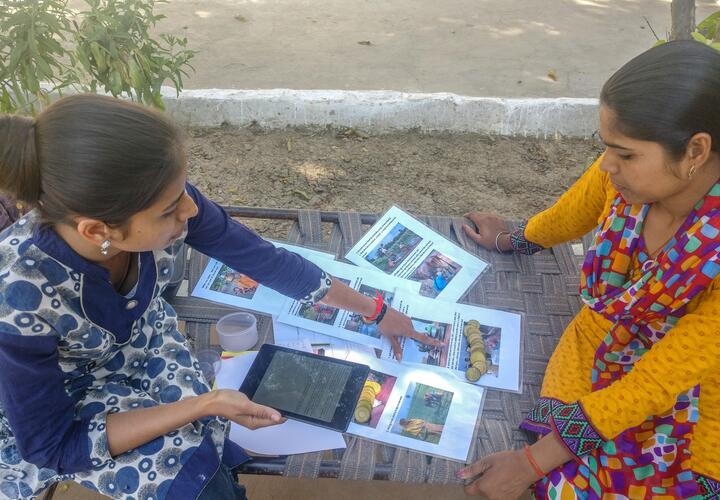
(650, 305)
(644, 305)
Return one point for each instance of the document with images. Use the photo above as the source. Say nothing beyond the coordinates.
(343, 324)
(416, 408)
(324, 345)
(497, 349)
(402, 246)
(222, 284)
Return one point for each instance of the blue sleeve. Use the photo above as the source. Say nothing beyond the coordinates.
(217, 235)
(39, 410)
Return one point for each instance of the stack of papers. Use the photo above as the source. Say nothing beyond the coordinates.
(425, 402)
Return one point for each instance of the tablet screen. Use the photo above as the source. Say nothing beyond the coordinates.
(304, 385)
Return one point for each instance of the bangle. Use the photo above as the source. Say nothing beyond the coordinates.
(535, 467)
(497, 239)
(379, 303)
(381, 315)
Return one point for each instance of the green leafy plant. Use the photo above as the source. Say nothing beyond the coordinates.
(31, 51)
(707, 32)
(114, 46)
(46, 48)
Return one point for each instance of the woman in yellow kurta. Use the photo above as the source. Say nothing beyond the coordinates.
(630, 403)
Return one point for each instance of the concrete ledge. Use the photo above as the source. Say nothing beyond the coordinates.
(384, 111)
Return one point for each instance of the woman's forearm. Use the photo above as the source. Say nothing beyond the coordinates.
(130, 429)
(343, 297)
(550, 452)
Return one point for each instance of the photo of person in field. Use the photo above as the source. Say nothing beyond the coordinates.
(393, 249)
(423, 413)
(234, 283)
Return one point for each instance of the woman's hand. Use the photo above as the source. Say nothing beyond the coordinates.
(488, 227)
(393, 325)
(502, 476)
(396, 324)
(235, 406)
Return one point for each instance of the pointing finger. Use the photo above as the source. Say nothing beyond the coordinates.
(397, 350)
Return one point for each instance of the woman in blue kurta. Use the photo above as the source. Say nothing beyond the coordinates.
(97, 384)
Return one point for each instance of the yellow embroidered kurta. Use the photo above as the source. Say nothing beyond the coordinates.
(688, 355)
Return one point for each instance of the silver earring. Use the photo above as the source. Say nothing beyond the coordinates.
(104, 247)
(691, 172)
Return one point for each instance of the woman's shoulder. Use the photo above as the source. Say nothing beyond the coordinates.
(16, 241)
(600, 178)
(31, 281)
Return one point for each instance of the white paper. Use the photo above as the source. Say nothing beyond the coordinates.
(325, 345)
(501, 332)
(343, 324)
(220, 283)
(287, 438)
(439, 413)
(402, 246)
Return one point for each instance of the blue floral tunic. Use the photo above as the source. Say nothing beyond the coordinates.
(72, 350)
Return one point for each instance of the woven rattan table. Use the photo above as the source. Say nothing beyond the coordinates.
(544, 288)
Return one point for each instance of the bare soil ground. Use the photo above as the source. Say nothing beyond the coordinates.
(324, 169)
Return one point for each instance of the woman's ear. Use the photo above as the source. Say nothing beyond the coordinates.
(699, 149)
(92, 230)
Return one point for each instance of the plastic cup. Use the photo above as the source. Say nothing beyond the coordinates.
(237, 331)
(210, 363)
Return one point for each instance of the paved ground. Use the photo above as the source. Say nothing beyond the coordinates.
(507, 48)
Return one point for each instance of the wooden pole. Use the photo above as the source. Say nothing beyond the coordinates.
(683, 19)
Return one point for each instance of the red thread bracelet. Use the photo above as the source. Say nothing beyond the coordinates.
(379, 301)
(533, 463)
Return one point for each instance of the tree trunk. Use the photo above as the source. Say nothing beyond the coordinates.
(683, 19)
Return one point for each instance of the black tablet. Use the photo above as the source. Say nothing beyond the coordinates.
(304, 386)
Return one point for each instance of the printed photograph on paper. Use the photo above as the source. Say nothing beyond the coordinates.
(234, 283)
(393, 249)
(435, 273)
(417, 352)
(423, 413)
(487, 346)
(374, 398)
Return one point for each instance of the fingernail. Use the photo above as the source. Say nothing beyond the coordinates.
(460, 474)
(275, 418)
